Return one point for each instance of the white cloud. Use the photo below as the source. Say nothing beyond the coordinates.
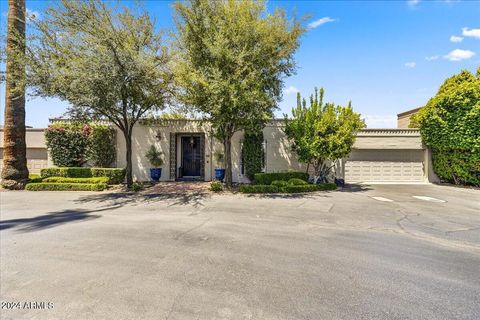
(431, 58)
(459, 54)
(456, 39)
(413, 3)
(410, 64)
(32, 14)
(291, 89)
(381, 121)
(319, 22)
(475, 33)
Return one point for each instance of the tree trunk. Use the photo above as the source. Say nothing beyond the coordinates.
(15, 172)
(128, 144)
(227, 147)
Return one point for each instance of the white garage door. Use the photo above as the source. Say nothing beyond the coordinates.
(385, 166)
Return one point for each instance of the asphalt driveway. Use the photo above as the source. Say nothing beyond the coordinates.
(372, 252)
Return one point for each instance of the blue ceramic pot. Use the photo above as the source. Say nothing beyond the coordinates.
(155, 174)
(219, 174)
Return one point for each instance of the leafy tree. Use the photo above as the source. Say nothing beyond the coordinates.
(231, 60)
(14, 171)
(450, 126)
(108, 62)
(67, 143)
(322, 133)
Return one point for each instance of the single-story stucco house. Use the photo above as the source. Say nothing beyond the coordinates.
(188, 146)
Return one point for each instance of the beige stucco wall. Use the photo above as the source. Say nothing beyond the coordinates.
(37, 157)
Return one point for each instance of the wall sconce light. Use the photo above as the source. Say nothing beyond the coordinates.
(158, 136)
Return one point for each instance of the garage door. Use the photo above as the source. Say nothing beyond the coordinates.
(37, 158)
(385, 166)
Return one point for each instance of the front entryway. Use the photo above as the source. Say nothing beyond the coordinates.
(190, 156)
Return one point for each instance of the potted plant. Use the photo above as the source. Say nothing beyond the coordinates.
(154, 156)
(220, 171)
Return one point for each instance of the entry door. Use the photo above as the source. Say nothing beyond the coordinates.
(191, 156)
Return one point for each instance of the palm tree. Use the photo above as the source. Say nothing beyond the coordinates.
(15, 172)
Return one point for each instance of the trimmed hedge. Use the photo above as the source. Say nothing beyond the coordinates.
(68, 172)
(33, 177)
(114, 175)
(284, 187)
(308, 188)
(103, 180)
(65, 186)
(279, 183)
(297, 182)
(258, 188)
(268, 178)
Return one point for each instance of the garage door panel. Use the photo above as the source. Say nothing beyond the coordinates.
(383, 171)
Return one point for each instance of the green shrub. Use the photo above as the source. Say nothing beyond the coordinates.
(114, 175)
(296, 181)
(457, 166)
(135, 187)
(154, 156)
(253, 155)
(292, 188)
(32, 177)
(101, 146)
(69, 172)
(103, 180)
(258, 188)
(279, 183)
(216, 186)
(267, 178)
(65, 186)
(67, 143)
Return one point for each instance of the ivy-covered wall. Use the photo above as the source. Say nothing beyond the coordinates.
(450, 125)
(75, 144)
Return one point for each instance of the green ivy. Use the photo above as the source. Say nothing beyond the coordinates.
(67, 143)
(253, 155)
(450, 125)
(101, 146)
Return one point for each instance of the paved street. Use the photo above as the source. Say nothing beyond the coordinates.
(372, 252)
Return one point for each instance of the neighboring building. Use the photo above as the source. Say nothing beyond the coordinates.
(403, 119)
(37, 156)
(188, 146)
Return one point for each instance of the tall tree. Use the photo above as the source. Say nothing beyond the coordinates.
(14, 171)
(107, 61)
(232, 57)
(322, 133)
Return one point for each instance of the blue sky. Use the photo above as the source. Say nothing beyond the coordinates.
(386, 57)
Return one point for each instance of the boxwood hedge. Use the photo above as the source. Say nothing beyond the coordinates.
(268, 178)
(76, 180)
(114, 175)
(51, 186)
(258, 188)
(278, 186)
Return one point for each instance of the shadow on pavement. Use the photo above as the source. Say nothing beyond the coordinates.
(51, 219)
(194, 198)
(355, 188)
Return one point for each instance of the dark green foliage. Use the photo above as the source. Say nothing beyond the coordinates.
(76, 180)
(70, 172)
(291, 188)
(216, 186)
(268, 178)
(66, 186)
(101, 146)
(136, 187)
(296, 181)
(67, 143)
(279, 183)
(252, 152)
(258, 188)
(450, 126)
(457, 166)
(114, 175)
